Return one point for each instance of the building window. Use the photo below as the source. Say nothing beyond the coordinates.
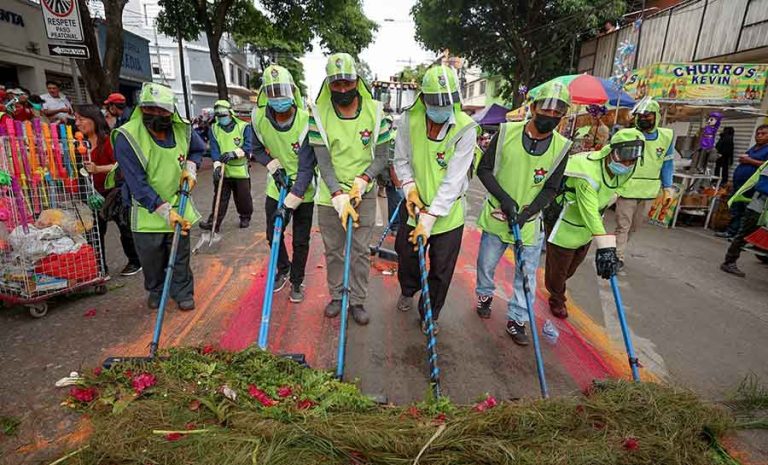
(240, 77)
(162, 68)
(464, 92)
(471, 91)
(482, 87)
(232, 74)
(247, 80)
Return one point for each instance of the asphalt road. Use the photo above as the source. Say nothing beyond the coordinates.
(692, 325)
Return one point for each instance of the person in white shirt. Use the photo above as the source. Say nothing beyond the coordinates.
(55, 105)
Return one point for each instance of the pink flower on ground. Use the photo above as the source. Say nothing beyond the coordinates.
(194, 405)
(173, 436)
(440, 418)
(485, 404)
(84, 395)
(143, 381)
(305, 404)
(261, 396)
(285, 391)
(207, 349)
(90, 313)
(97, 371)
(631, 444)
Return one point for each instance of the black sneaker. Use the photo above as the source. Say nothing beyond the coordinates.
(333, 308)
(724, 234)
(359, 314)
(732, 269)
(297, 293)
(187, 305)
(483, 306)
(517, 332)
(206, 225)
(153, 302)
(244, 223)
(130, 270)
(404, 303)
(435, 327)
(280, 281)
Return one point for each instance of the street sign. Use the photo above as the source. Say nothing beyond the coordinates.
(62, 20)
(70, 51)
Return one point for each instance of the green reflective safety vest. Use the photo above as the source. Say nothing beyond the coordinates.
(738, 196)
(284, 145)
(646, 181)
(228, 142)
(570, 230)
(430, 160)
(110, 181)
(350, 142)
(163, 169)
(522, 176)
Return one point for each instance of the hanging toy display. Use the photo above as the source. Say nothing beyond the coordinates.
(707, 140)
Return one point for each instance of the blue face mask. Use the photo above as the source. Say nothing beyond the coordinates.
(618, 169)
(439, 114)
(224, 120)
(280, 105)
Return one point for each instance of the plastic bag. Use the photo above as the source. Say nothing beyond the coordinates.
(69, 220)
(38, 243)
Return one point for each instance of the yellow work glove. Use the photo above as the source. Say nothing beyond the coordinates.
(345, 210)
(172, 218)
(412, 199)
(359, 187)
(189, 174)
(422, 230)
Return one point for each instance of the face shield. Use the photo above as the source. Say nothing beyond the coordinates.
(443, 99)
(342, 77)
(628, 151)
(279, 90)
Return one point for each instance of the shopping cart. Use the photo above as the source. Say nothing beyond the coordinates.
(49, 238)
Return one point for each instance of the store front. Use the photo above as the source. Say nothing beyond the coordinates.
(135, 69)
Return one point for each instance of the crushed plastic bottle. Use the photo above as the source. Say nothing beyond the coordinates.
(550, 332)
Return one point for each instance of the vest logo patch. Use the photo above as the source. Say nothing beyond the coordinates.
(441, 80)
(440, 159)
(365, 136)
(659, 152)
(274, 73)
(237, 140)
(538, 175)
(181, 160)
(295, 146)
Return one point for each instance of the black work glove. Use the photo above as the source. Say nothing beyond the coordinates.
(217, 174)
(510, 208)
(227, 157)
(284, 213)
(606, 260)
(281, 179)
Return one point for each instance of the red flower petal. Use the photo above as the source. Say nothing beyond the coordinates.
(84, 395)
(173, 436)
(97, 371)
(128, 374)
(413, 412)
(490, 402)
(194, 405)
(261, 396)
(143, 381)
(285, 391)
(190, 426)
(631, 444)
(90, 313)
(440, 418)
(305, 404)
(207, 349)
(480, 407)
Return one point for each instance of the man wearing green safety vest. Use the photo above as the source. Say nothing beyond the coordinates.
(522, 169)
(434, 150)
(157, 151)
(230, 142)
(755, 216)
(653, 172)
(592, 179)
(281, 123)
(350, 134)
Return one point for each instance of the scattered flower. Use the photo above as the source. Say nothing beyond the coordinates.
(285, 391)
(485, 404)
(190, 426)
(207, 349)
(261, 396)
(97, 371)
(631, 444)
(194, 405)
(128, 374)
(440, 418)
(84, 395)
(90, 313)
(413, 412)
(598, 424)
(305, 404)
(143, 381)
(173, 436)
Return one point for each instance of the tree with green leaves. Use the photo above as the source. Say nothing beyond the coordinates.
(413, 73)
(525, 41)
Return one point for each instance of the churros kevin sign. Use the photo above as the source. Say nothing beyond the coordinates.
(700, 83)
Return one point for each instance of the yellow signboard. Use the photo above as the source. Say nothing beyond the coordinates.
(700, 83)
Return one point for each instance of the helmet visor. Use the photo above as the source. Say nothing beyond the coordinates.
(550, 103)
(441, 100)
(342, 77)
(279, 90)
(645, 105)
(629, 150)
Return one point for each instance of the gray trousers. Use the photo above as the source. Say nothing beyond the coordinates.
(153, 250)
(334, 239)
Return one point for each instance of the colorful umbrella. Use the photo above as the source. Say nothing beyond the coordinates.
(586, 89)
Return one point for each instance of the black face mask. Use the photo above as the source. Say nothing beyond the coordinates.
(157, 123)
(644, 124)
(344, 98)
(544, 123)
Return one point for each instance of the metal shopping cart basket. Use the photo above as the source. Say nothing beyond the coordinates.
(49, 237)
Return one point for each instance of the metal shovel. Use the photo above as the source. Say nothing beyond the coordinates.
(212, 237)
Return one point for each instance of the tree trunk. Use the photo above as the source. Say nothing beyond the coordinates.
(218, 66)
(100, 79)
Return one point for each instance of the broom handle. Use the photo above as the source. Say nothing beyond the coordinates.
(529, 307)
(434, 371)
(633, 362)
(344, 302)
(389, 226)
(266, 307)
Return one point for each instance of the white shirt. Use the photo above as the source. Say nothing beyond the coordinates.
(57, 103)
(455, 182)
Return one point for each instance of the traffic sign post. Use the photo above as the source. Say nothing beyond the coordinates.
(62, 20)
(69, 50)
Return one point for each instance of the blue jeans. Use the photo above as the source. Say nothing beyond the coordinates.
(393, 198)
(491, 250)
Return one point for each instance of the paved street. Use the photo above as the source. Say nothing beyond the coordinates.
(692, 324)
